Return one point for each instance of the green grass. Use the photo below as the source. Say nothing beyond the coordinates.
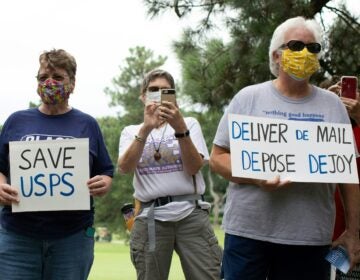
(112, 262)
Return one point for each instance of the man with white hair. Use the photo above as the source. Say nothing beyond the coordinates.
(280, 229)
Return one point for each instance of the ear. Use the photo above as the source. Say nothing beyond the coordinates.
(276, 56)
(142, 98)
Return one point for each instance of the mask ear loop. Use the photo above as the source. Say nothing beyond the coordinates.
(277, 57)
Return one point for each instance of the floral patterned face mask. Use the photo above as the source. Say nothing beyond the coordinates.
(299, 64)
(53, 92)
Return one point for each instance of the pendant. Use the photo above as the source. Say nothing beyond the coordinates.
(157, 156)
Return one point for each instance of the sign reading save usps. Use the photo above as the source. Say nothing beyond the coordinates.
(301, 151)
(50, 175)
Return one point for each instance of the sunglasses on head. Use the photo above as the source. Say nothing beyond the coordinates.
(297, 46)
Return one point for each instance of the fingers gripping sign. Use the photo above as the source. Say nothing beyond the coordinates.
(8, 195)
(274, 184)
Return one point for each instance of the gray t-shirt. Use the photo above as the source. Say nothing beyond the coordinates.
(300, 214)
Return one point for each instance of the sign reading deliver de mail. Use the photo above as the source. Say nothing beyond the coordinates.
(301, 151)
(50, 175)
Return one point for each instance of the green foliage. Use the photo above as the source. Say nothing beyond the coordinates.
(344, 48)
(108, 207)
(34, 105)
(208, 72)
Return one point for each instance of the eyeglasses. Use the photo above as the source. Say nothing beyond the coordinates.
(154, 89)
(296, 46)
(57, 77)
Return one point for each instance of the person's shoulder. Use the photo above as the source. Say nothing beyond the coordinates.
(82, 117)
(132, 128)
(254, 89)
(26, 113)
(324, 93)
(79, 113)
(190, 120)
(262, 85)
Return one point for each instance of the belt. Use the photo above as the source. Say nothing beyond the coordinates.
(161, 201)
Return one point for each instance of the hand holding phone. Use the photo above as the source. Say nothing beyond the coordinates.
(348, 86)
(168, 95)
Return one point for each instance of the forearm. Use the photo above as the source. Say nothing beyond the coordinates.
(127, 163)
(351, 199)
(192, 160)
(220, 163)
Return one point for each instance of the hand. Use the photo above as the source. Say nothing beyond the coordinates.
(99, 185)
(273, 185)
(151, 115)
(353, 107)
(8, 195)
(336, 88)
(170, 113)
(350, 241)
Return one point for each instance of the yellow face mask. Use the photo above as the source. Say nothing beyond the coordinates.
(299, 64)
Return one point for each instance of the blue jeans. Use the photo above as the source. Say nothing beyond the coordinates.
(25, 258)
(250, 259)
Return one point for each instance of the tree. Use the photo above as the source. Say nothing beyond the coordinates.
(251, 25)
(208, 76)
(342, 55)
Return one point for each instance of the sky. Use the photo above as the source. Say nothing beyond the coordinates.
(98, 33)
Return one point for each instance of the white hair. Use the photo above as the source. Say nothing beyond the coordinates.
(278, 37)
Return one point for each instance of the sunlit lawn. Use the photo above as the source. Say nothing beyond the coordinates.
(112, 262)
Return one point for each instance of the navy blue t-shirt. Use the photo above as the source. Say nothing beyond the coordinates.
(32, 125)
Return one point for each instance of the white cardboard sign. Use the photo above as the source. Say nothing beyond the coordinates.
(301, 151)
(50, 175)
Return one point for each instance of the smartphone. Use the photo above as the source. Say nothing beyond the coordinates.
(168, 95)
(153, 96)
(348, 86)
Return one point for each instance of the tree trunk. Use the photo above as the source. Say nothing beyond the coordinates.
(216, 198)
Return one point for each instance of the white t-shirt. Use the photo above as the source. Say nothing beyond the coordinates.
(166, 177)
